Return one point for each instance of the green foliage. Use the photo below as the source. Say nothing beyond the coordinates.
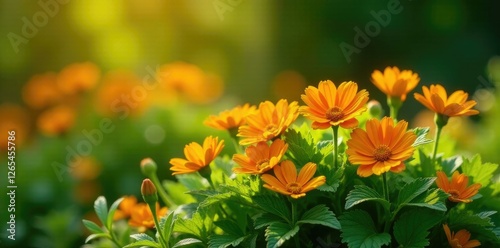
(279, 232)
(274, 206)
(358, 230)
(479, 172)
(233, 235)
(421, 133)
(413, 189)
(412, 227)
(320, 215)
(301, 146)
(199, 225)
(362, 193)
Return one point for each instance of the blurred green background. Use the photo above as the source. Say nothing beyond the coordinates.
(261, 50)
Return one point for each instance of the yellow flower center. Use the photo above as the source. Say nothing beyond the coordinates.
(293, 188)
(454, 194)
(270, 130)
(334, 114)
(382, 153)
(263, 164)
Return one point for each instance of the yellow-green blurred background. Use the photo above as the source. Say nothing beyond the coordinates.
(255, 50)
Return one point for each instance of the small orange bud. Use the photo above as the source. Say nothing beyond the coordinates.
(148, 191)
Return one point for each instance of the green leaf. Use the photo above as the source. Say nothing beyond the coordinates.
(101, 209)
(475, 223)
(142, 243)
(411, 229)
(141, 237)
(225, 240)
(414, 189)
(97, 235)
(451, 164)
(321, 215)
(230, 227)
(358, 230)
(197, 225)
(362, 193)
(301, 146)
(167, 225)
(265, 219)
(176, 191)
(212, 196)
(187, 241)
(279, 232)
(273, 205)
(93, 227)
(421, 133)
(480, 173)
(111, 213)
(433, 199)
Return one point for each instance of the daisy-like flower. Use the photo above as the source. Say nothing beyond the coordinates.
(57, 120)
(229, 119)
(125, 208)
(197, 156)
(329, 106)
(142, 218)
(287, 182)
(269, 122)
(436, 99)
(395, 83)
(461, 239)
(78, 77)
(457, 188)
(260, 157)
(383, 147)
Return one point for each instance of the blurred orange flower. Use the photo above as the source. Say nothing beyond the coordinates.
(269, 122)
(142, 218)
(190, 82)
(329, 106)
(41, 91)
(14, 118)
(78, 77)
(438, 101)
(126, 207)
(57, 120)
(197, 156)
(85, 192)
(260, 157)
(85, 168)
(287, 182)
(461, 239)
(395, 83)
(381, 148)
(457, 188)
(230, 119)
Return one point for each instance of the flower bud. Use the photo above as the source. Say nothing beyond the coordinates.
(148, 167)
(148, 191)
(375, 109)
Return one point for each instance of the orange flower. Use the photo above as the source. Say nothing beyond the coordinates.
(230, 119)
(13, 118)
(126, 207)
(395, 83)
(460, 239)
(85, 168)
(287, 182)
(438, 101)
(197, 156)
(41, 91)
(142, 218)
(382, 147)
(78, 77)
(329, 106)
(57, 120)
(457, 188)
(261, 157)
(268, 122)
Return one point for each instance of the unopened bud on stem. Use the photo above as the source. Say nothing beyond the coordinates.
(148, 191)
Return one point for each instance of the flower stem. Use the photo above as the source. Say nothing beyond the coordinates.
(335, 146)
(294, 219)
(394, 106)
(441, 121)
(388, 220)
(157, 224)
(161, 191)
(233, 132)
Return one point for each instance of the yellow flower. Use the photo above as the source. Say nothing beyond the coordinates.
(461, 239)
(142, 218)
(287, 182)
(268, 122)
(230, 119)
(78, 77)
(395, 83)
(261, 157)
(56, 120)
(382, 147)
(126, 207)
(438, 101)
(457, 188)
(329, 106)
(197, 156)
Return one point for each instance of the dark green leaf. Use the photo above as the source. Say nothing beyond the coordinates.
(451, 164)
(362, 193)
(413, 189)
(433, 199)
(320, 215)
(273, 205)
(225, 240)
(142, 243)
(111, 212)
(97, 235)
(265, 219)
(230, 227)
(358, 230)
(141, 236)
(187, 241)
(279, 232)
(93, 227)
(101, 209)
(411, 229)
